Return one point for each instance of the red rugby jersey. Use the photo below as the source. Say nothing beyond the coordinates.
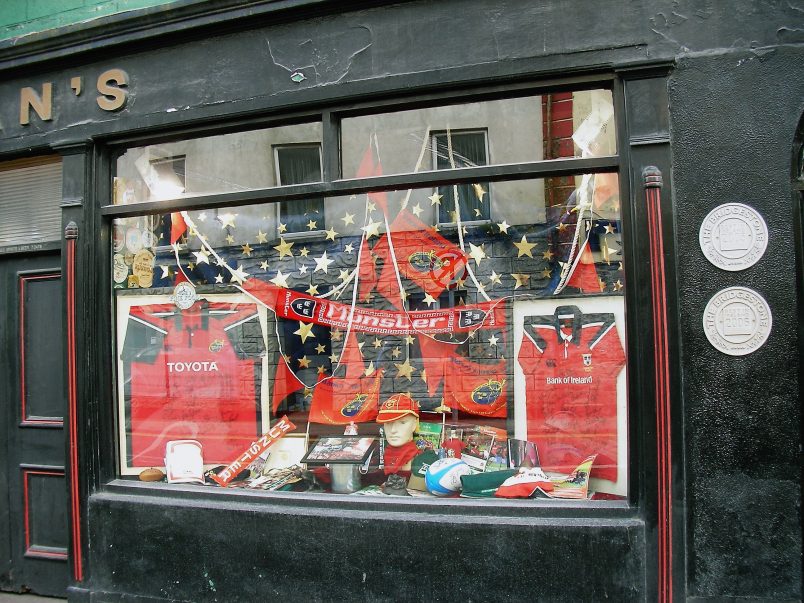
(571, 362)
(192, 374)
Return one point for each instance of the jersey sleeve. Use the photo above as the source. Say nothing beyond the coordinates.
(606, 343)
(246, 337)
(143, 341)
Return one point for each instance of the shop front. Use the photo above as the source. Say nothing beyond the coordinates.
(406, 302)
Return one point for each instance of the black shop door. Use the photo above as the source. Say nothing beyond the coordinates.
(33, 489)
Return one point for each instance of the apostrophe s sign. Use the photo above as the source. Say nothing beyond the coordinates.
(111, 86)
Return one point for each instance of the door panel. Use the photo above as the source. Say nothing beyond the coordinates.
(34, 406)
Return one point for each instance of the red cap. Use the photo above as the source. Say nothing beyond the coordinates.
(396, 407)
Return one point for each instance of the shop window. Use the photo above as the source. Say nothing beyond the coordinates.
(299, 164)
(394, 340)
(459, 150)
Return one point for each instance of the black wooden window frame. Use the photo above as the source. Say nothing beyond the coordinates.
(334, 185)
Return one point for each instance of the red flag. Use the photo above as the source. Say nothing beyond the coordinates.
(285, 382)
(422, 255)
(368, 168)
(367, 274)
(475, 388)
(584, 275)
(177, 227)
(352, 398)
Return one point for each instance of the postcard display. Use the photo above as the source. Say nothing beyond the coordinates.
(274, 351)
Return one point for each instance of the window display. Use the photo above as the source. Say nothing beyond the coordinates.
(410, 354)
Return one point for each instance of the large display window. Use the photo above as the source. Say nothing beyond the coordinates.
(460, 338)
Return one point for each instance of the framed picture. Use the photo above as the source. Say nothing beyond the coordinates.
(169, 389)
(340, 449)
(570, 385)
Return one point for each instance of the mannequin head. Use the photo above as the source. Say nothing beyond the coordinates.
(399, 416)
(400, 432)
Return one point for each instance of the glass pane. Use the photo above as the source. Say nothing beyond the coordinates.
(531, 128)
(214, 164)
(493, 341)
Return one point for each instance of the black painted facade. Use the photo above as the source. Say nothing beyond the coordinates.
(712, 95)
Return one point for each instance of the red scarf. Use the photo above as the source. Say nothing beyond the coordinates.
(396, 457)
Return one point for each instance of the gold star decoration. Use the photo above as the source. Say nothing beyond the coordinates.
(284, 248)
(494, 278)
(429, 300)
(546, 273)
(304, 252)
(239, 275)
(435, 198)
(303, 269)
(336, 335)
(370, 369)
(262, 237)
(344, 275)
(561, 227)
(219, 278)
(479, 191)
(409, 339)
(281, 228)
(521, 280)
(349, 248)
(417, 210)
(320, 349)
(247, 250)
(618, 285)
(396, 352)
(280, 280)
(609, 229)
(264, 265)
(305, 331)
(312, 225)
(312, 289)
(524, 247)
(372, 229)
(348, 219)
(377, 342)
(230, 239)
(304, 362)
(333, 358)
(503, 226)
(227, 220)
(201, 256)
(331, 234)
(322, 369)
(322, 263)
(547, 255)
(404, 369)
(493, 340)
(476, 253)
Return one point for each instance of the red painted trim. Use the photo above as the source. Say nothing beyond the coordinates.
(26, 421)
(72, 405)
(32, 550)
(662, 393)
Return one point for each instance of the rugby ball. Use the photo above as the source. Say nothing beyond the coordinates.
(444, 476)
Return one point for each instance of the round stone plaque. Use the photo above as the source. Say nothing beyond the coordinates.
(737, 321)
(733, 236)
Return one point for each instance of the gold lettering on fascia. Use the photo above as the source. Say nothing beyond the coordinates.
(112, 87)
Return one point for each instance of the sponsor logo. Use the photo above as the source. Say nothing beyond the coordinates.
(303, 307)
(192, 367)
(355, 405)
(488, 392)
(216, 346)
